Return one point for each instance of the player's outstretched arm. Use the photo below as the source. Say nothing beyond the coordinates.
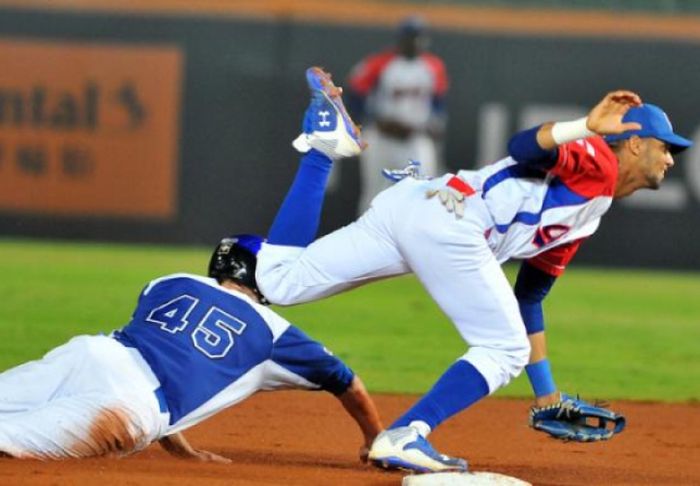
(604, 119)
(361, 407)
(178, 446)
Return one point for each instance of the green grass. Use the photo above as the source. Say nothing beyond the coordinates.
(612, 333)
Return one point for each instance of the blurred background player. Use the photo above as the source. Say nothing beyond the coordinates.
(194, 347)
(536, 205)
(399, 96)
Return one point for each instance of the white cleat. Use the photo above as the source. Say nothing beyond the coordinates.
(412, 170)
(404, 448)
(327, 126)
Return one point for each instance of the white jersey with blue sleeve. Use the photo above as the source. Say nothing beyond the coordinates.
(535, 211)
(211, 347)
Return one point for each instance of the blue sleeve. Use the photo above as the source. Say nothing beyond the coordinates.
(299, 216)
(531, 287)
(523, 147)
(305, 357)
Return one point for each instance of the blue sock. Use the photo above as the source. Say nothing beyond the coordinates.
(459, 387)
(297, 220)
(541, 379)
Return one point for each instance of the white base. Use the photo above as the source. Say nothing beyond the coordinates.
(463, 479)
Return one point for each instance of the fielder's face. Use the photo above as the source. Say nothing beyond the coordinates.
(412, 44)
(655, 159)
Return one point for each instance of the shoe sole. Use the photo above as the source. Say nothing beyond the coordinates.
(321, 81)
(396, 463)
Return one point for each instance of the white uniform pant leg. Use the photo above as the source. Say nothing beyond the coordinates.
(453, 261)
(78, 426)
(404, 231)
(32, 384)
(105, 405)
(346, 258)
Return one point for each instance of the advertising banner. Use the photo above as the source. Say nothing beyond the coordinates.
(89, 129)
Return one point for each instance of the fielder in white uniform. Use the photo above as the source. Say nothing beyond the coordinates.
(399, 95)
(194, 347)
(537, 205)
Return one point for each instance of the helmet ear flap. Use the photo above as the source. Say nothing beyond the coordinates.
(239, 269)
(219, 262)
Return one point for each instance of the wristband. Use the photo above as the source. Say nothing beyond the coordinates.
(563, 132)
(541, 379)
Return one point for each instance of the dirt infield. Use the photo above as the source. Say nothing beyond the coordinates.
(297, 438)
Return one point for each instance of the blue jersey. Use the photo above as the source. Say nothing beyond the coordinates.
(211, 347)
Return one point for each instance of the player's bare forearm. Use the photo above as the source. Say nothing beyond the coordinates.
(545, 138)
(361, 407)
(538, 352)
(178, 446)
(538, 346)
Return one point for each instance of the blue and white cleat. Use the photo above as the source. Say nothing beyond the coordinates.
(412, 170)
(327, 126)
(404, 448)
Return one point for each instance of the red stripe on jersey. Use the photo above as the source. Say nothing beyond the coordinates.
(437, 67)
(458, 184)
(364, 76)
(587, 167)
(555, 260)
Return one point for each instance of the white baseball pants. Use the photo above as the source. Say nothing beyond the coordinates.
(403, 232)
(89, 397)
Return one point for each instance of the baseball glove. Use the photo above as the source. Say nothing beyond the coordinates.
(576, 420)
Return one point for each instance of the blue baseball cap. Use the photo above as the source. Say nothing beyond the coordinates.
(655, 124)
(413, 25)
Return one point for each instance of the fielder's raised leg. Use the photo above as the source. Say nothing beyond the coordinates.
(292, 269)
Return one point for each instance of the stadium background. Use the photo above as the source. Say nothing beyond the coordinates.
(170, 122)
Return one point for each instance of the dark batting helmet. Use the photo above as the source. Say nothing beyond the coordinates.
(235, 258)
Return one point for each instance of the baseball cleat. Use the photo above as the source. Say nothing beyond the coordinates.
(413, 170)
(404, 448)
(327, 126)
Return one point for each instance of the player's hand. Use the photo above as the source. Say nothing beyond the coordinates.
(178, 446)
(606, 117)
(574, 419)
(452, 199)
(206, 456)
(450, 195)
(198, 455)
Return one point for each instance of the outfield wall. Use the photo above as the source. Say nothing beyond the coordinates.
(164, 127)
